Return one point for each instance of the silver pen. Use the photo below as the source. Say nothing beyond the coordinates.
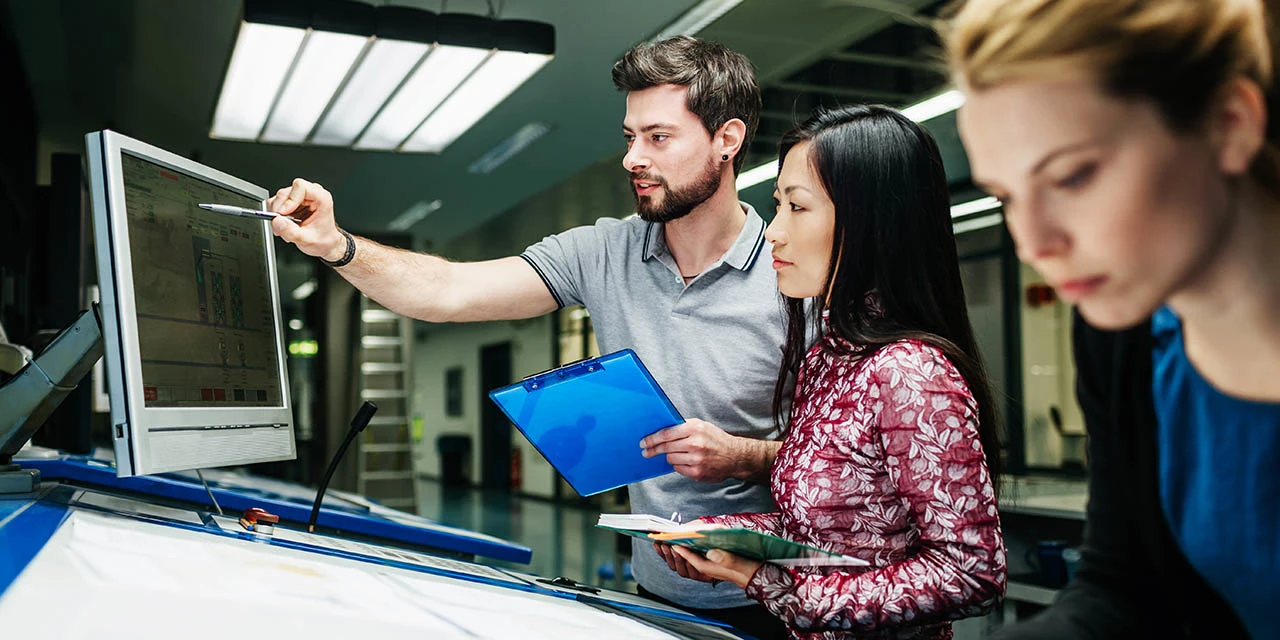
(241, 211)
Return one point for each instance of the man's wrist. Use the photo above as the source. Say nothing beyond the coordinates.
(337, 248)
(754, 459)
(348, 254)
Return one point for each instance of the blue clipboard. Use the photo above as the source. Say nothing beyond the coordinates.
(587, 419)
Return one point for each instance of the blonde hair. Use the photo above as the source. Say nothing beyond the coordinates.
(1177, 54)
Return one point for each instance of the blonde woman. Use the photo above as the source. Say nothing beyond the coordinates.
(1132, 145)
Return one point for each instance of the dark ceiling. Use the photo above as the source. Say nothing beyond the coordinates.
(151, 69)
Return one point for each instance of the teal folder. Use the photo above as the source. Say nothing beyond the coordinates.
(587, 419)
(749, 544)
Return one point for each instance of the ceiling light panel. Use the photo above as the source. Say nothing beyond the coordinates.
(430, 84)
(974, 206)
(379, 73)
(323, 64)
(973, 224)
(495, 157)
(262, 57)
(695, 19)
(945, 102)
(346, 73)
(413, 215)
(496, 79)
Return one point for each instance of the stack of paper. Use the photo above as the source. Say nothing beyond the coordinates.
(646, 522)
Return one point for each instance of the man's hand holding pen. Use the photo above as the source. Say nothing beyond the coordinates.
(317, 233)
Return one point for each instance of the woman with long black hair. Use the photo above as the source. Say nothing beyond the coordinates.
(891, 452)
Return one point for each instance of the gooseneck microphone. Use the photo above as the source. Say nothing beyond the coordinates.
(358, 423)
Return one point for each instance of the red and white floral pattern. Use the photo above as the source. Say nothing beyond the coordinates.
(883, 462)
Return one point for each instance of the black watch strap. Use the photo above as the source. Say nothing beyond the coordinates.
(346, 257)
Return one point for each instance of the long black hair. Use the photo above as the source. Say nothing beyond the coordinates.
(893, 239)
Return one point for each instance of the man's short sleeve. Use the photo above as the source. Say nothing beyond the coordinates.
(563, 261)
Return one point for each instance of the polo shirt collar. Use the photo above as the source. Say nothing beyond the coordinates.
(742, 254)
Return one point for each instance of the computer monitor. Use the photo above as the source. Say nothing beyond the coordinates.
(194, 345)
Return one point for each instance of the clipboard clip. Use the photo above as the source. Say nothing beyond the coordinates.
(562, 373)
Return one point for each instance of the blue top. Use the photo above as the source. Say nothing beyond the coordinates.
(1219, 480)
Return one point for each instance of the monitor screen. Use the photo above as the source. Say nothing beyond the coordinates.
(194, 343)
(203, 293)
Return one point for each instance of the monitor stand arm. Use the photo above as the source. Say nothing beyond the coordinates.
(29, 397)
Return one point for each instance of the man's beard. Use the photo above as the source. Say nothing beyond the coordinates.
(675, 203)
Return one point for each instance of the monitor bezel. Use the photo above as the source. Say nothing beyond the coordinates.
(132, 421)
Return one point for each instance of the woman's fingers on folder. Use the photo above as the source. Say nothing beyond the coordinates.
(720, 565)
(697, 449)
(678, 563)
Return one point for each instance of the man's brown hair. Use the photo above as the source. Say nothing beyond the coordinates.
(722, 83)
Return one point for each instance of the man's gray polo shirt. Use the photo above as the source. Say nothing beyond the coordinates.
(715, 347)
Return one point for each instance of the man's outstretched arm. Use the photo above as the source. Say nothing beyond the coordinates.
(413, 284)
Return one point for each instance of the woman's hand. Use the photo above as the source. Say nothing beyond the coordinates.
(667, 552)
(718, 565)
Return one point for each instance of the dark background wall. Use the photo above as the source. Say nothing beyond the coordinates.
(17, 186)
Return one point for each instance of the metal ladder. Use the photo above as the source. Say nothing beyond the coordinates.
(385, 471)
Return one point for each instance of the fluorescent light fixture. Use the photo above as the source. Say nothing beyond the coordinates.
(378, 75)
(262, 57)
(944, 102)
(413, 215)
(347, 73)
(434, 80)
(493, 158)
(321, 67)
(977, 223)
(693, 20)
(496, 79)
(930, 108)
(753, 177)
(974, 206)
(303, 290)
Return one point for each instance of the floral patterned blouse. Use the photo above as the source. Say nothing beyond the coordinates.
(882, 462)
